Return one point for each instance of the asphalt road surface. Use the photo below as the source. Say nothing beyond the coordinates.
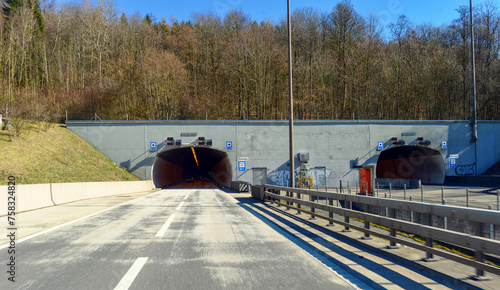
(170, 239)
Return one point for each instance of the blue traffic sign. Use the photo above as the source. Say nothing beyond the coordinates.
(152, 146)
(453, 162)
(380, 145)
(444, 145)
(242, 165)
(229, 145)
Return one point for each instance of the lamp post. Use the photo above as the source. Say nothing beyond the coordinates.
(290, 92)
(473, 89)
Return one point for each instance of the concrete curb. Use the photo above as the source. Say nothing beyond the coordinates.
(35, 196)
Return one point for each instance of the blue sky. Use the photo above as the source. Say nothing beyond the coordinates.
(418, 11)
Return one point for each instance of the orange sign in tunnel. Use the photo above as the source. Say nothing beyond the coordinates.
(186, 164)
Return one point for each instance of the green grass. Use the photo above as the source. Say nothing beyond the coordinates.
(54, 155)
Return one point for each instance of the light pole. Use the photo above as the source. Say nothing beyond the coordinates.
(473, 89)
(290, 92)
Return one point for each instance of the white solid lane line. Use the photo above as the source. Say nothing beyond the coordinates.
(180, 205)
(165, 226)
(129, 277)
(69, 223)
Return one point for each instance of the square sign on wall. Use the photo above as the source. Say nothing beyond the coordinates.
(152, 146)
(444, 145)
(229, 145)
(242, 165)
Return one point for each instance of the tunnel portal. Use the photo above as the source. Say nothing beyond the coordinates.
(412, 162)
(185, 165)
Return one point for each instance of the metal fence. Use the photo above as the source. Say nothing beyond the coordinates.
(387, 213)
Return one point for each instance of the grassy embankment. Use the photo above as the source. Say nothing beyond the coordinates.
(53, 155)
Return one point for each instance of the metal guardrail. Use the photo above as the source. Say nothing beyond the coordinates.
(476, 243)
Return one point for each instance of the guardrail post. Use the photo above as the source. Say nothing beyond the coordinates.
(390, 190)
(366, 236)
(311, 198)
(445, 219)
(480, 275)
(298, 204)
(288, 194)
(429, 257)
(422, 193)
(404, 196)
(378, 186)
(392, 244)
(330, 214)
(411, 212)
(498, 199)
(467, 197)
(491, 227)
(347, 205)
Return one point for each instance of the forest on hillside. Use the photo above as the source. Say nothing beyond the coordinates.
(87, 58)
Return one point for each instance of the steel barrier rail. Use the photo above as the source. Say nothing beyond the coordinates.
(478, 244)
(465, 213)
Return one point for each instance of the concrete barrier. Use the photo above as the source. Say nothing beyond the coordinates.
(33, 196)
(258, 192)
(241, 186)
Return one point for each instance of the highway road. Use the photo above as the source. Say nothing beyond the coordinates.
(169, 239)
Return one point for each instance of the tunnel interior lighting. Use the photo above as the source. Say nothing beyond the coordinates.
(195, 158)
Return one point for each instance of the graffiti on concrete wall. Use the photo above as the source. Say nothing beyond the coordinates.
(463, 170)
(281, 176)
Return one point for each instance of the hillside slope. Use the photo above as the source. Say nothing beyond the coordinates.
(53, 156)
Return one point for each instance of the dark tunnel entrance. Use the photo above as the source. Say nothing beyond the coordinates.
(412, 162)
(191, 164)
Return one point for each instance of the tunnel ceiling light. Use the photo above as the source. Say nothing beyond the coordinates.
(195, 158)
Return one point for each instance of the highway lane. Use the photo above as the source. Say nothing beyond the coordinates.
(171, 239)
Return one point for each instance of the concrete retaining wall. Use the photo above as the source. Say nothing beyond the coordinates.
(33, 196)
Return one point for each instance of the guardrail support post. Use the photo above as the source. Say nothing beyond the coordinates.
(411, 212)
(467, 197)
(330, 214)
(298, 204)
(347, 205)
(392, 244)
(445, 219)
(288, 194)
(311, 198)
(366, 236)
(429, 257)
(480, 275)
(404, 196)
(491, 234)
(422, 193)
